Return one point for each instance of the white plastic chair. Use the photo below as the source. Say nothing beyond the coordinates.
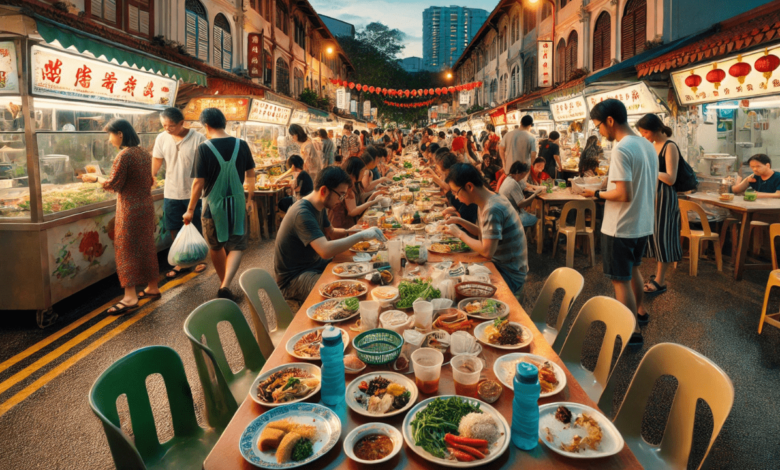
(572, 283)
(252, 281)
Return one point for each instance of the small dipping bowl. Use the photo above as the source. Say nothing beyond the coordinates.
(373, 428)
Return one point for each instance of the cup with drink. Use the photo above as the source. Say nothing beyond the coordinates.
(427, 369)
(465, 374)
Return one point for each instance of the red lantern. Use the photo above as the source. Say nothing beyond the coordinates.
(431, 92)
(344, 83)
(452, 89)
(445, 90)
(384, 91)
(740, 70)
(419, 92)
(693, 81)
(358, 87)
(425, 92)
(407, 93)
(715, 75)
(371, 89)
(767, 64)
(351, 85)
(414, 92)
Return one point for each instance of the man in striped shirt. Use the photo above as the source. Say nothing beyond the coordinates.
(499, 235)
(350, 143)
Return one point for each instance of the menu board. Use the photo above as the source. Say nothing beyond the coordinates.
(9, 74)
(234, 109)
(637, 98)
(271, 113)
(56, 73)
(544, 67)
(298, 117)
(574, 109)
(341, 98)
(513, 117)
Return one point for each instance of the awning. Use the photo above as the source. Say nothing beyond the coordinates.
(67, 37)
(319, 113)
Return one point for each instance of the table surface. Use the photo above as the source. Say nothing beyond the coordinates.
(561, 195)
(739, 204)
(226, 456)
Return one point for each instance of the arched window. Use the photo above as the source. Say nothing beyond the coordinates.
(282, 16)
(268, 68)
(529, 75)
(502, 89)
(560, 61)
(571, 55)
(282, 77)
(633, 29)
(493, 92)
(223, 43)
(298, 80)
(197, 30)
(601, 42)
(503, 39)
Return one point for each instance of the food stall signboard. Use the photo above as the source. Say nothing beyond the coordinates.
(699, 88)
(637, 98)
(513, 117)
(465, 97)
(56, 73)
(267, 112)
(545, 58)
(234, 109)
(574, 109)
(353, 106)
(299, 116)
(498, 117)
(9, 75)
(367, 108)
(341, 98)
(254, 61)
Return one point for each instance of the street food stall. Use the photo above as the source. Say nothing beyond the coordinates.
(571, 120)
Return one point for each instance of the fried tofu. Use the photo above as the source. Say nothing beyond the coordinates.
(284, 451)
(270, 439)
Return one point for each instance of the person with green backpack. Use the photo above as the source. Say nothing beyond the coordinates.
(221, 165)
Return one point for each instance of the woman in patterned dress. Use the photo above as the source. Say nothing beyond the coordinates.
(136, 253)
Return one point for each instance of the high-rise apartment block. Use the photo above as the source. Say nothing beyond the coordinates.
(446, 33)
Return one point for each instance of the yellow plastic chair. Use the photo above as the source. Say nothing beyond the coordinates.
(572, 283)
(774, 231)
(697, 238)
(697, 377)
(755, 234)
(619, 321)
(579, 229)
(252, 281)
(772, 319)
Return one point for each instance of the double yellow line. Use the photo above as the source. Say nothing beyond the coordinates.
(59, 369)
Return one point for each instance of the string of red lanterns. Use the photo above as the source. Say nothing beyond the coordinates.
(405, 93)
(410, 105)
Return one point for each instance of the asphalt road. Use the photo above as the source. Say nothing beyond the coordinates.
(46, 422)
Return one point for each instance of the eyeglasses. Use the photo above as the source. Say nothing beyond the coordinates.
(341, 196)
(461, 189)
(598, 127)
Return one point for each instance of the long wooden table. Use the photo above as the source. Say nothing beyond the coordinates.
(226, 455)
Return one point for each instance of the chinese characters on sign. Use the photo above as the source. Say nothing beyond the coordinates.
(637, 98)
(367, 109)
(254, 62)
(341, 98)
(545, 65)
(569, 110)
(298, 116)
(263, 111)
(9, 75)
(235, 109)
(465, 97)
(513, 117)
(499, 117)
(60, 74)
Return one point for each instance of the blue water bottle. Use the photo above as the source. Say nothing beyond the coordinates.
(332, 354)
(525, 409)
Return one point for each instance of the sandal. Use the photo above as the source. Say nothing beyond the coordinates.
(636, 340)
(203, 269)
(173, 273)
(120, 308)
(659, 289)
(643, 320)
(145, 295)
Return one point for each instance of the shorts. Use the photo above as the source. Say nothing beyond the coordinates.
(173, 212)
(621, 255)
(528, 219)
(300, 287)
(233, 243)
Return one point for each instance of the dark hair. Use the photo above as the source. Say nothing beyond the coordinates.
(490, 127)
(298, 132)
(395, 146)
(376, 131)
(469, 134)
(386, 139)
(462, 173)
(332, 177)
(213, 118)
(447, 160)
(652, 123)
(129, 137)
(527, 120)
(592, 141)
(439, 154)
(429, 131)
(539, 160)
(518, 168)
(347, 126)
(761, 158)
(172, 114)
(366, 157)
(382, 152)
(354, 165)
(356, 132)
(322, 133)
(610, 108)
(365, 133)
(442, 135)
(555, 135)
(296, 161)
(423, 148)
(433, 148)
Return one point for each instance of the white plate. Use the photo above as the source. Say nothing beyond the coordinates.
(310, 312)
(363, 289)
(611, 441)
(496, 449)
(479, 333)
(352, 389)
(328, 433)
(373, 428)
(387, 289)
(363, 267)
(462, 306)
(498, 370)
(291, 343)
(305, 366)
(374, 246)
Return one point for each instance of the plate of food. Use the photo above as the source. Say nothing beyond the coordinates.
(290, 436)
(484, 309)
(367, 247)
(343, 289)
(335, 310)
(381, 394)
(456, 431)
(289, 383)
(578, 431)
(446, 248)
(306, 344)
(385, 293)
(551, 377)
(350, 270)
(503, 334)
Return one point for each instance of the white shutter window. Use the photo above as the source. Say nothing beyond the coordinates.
(217, 55)
(191, 33)
(144, 22)
(109, 10)
(97, 8)
(227, 50)
(133, 17)
(203, 39)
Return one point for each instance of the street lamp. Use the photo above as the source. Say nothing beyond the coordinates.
(328, 51)
(449, 75)
(552, 4)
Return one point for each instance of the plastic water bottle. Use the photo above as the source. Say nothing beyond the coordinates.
(332, 354)
(525, 409)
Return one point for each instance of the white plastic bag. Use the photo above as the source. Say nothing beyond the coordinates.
(188, 249)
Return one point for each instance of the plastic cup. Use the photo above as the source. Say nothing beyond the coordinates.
(423, 315)
(369, 314)
(465, 374)
(394, 255)
(427, 369)
(561, 184)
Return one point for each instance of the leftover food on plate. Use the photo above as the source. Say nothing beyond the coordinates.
(440, 248)
(350, 269)
(287, 385)
(309, 345)
(486, 307)
(352, 362)
(452, 320)
(380, 395)
(385, 293)
(547, 378)
(584, 422)
(341, 289)
(505, 333)
(292, 442)
(373, 447)
(367, 247)
(336, 309)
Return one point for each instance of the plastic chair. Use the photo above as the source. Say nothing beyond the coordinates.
(756, 232)
(572, 283)
(223, 390)
(697, 377)
(580, 228)
(190, 444)
(697, 238)
(619, 321)
(772, 319)
(774, 231)
(252, 281)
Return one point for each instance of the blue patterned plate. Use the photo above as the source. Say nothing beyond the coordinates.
(328, 433)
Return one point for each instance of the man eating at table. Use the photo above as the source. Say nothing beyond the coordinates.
(306, 240)
(498, 235)
(764, 180)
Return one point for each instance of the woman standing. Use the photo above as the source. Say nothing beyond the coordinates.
(328, 148)
(665, 244)
(312, 162)
(131, 178)
(590, 156)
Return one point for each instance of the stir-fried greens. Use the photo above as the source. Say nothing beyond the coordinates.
(440, 417)
(408, 292)
(351, 304)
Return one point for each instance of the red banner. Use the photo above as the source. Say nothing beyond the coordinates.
(254, 60)
(405, 93)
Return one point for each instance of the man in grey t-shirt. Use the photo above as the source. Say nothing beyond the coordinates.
(518, 145)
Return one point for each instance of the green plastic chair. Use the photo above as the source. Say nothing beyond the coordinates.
(223, 390)
(190, 444)
(252, 281)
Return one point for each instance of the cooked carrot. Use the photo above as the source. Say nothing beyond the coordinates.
(451, 438)
(468, 450)
(461, 456)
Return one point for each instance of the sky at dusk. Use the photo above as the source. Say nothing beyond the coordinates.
(405, 15)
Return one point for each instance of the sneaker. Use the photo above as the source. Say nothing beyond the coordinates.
(636, 340)
(224, 293)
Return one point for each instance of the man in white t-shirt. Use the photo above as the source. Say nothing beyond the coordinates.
(177, 146)
(628, 212)
(518, 145)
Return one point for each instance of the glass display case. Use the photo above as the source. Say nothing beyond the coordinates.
(14, 184)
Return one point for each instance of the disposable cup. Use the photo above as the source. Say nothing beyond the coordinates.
(461, 365)
(423, 315)
(427, 369)
(369, 314)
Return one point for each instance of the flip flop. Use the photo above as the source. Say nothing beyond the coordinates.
(121, 308)
(205, 266)
(636, 340)
(176, 273)
(643, 319)
(659, 289)
(145, 295)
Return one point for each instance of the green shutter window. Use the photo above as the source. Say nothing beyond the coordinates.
(223, 43)
(196, 30)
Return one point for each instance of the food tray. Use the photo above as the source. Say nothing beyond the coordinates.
(378, 346)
